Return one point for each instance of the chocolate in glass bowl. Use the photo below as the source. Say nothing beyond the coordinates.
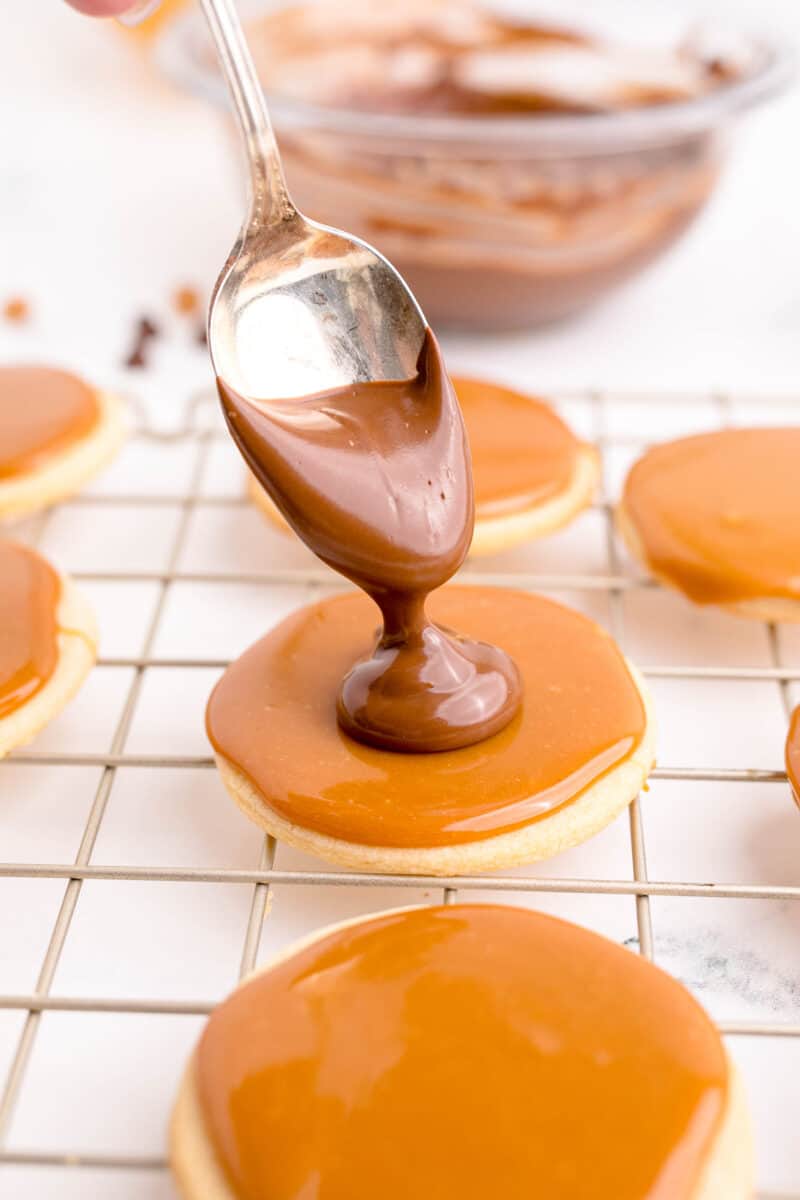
(512, 172)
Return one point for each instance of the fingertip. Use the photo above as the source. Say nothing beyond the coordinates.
(102, 8)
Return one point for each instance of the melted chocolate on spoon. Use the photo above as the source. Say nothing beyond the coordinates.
(376, 479)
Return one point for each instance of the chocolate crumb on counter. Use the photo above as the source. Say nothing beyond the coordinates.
(201, 336)
(146, 331)
(17, 310)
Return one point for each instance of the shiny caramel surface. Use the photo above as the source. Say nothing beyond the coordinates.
(522, 452)
(462, 1053)
(42, 412)
(29, 594)
(793, 754)
(718, 514)
(273, 714)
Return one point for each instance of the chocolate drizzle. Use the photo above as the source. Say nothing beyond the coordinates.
(376, 480)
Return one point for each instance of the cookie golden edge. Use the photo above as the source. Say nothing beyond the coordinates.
(77, 653)
(778, 609)
(728, 1173)
(574, 823)
(65, 472)
(494, 534)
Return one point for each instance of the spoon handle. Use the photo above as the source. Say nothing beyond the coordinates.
(269, 202)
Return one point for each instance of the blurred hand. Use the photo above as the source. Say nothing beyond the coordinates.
(104, 8)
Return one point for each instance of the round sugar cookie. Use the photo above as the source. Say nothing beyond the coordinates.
(56, 433)
(461, 1052)
(532, 475)
(717, 516)
(48, 643)
(574, 756)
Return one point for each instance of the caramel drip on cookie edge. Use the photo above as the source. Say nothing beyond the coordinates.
(30, 591)
(792, 754)
(462, 1052)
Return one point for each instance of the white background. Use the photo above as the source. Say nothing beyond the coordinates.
(114, 189)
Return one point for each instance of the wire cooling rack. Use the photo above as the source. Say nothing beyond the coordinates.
(610, 420)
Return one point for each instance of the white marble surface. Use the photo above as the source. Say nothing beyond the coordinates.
(113, 190)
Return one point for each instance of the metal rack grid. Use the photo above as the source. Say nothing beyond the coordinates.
(198, 433)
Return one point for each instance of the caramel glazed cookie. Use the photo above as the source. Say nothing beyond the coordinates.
(717, 516)
(569, 762)
(477, 727)
(56, 433)
(48, 643)
(461, 1052)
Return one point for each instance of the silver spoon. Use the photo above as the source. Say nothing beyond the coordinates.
(299, 307)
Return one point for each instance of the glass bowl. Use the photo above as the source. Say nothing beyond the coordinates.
(514, 221)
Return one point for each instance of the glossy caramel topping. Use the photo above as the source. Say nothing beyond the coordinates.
(273, 715)
(435, 57)
(29, 596)
(42, 412)
(375, 478)
(522, 452)
(462, 1053)
(718, 515)
(793, 754)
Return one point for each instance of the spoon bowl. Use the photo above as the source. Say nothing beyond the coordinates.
(300, 309)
